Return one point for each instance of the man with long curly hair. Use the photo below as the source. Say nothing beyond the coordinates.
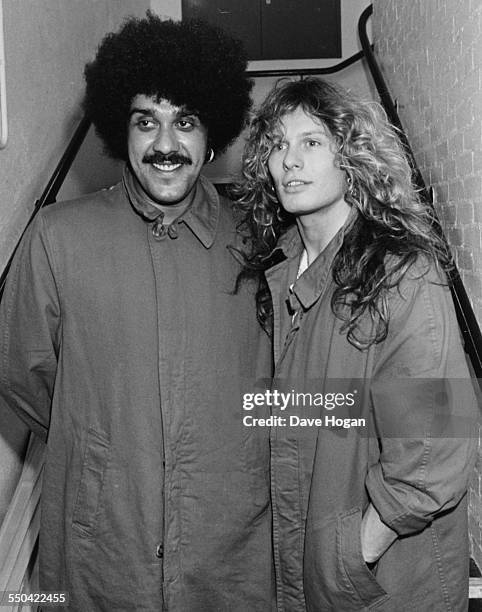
(370, 473)
(124, 346)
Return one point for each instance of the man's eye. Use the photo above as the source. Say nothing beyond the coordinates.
(185, 124)
(145, 124)
(279, 146)
(313, 143)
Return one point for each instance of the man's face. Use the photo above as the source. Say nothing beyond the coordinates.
(167, 148)
(303, 168)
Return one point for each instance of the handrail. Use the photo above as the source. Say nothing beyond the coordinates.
(467, 320)
(20, 527)
(53, 186)
(308, 71)
(56, 180)
(385, 97)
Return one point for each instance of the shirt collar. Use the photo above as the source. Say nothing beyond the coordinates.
(201, 217)
(312, 283)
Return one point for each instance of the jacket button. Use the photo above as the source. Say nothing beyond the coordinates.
(160, 551)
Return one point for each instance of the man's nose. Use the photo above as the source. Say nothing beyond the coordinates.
(292, 159)
(166, 141)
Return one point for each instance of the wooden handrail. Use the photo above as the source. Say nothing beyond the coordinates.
(20, 527)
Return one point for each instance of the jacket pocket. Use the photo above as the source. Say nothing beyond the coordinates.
(362, 581)
(89, 493)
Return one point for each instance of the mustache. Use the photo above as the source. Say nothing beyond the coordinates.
(170, 158)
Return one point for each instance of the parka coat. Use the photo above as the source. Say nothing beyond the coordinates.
(408, 445)
(125, 348)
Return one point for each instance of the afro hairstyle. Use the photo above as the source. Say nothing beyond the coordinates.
(189, 63)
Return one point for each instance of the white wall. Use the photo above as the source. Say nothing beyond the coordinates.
(168, 9)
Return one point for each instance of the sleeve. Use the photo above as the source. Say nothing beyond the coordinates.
(425, 410)
(30, 332)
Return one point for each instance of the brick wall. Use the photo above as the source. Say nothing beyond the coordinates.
(430, 53)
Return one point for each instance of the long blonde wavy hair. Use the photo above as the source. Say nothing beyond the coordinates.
(392, 221)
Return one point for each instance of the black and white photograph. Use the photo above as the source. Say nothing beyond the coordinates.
(240, 306)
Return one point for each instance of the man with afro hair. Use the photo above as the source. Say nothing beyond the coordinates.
(125, 347)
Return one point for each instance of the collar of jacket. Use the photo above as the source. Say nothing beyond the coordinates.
(201, 217)
(309, 287)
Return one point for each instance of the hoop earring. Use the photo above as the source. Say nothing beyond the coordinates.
(209, 156)
(350, 188)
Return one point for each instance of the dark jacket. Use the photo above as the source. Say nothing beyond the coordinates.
(406, 448)
(130, 354)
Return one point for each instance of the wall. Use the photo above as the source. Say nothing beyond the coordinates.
(430, 52)
(47, 44)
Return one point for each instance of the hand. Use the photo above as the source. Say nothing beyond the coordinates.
(376, 537)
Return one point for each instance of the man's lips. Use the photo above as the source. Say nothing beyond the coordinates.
(166, 167)
(295, 185)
